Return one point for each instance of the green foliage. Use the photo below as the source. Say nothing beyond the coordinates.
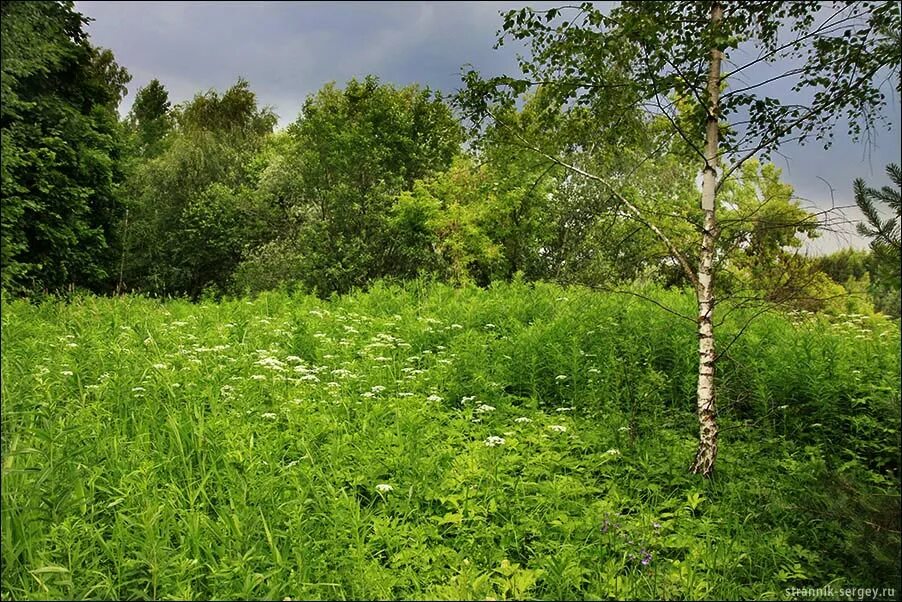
(61, 150)
(353, 152)
(458, 211)
(534, 440)
(645, 51)
(761, 215)
(150, 118)
(235, 112)
(863, 273)
(194, 214)
(641, 70)
(886, 241)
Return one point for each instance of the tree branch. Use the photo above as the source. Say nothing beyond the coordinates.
(637, 214)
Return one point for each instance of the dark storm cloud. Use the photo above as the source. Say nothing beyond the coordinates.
(289, 50)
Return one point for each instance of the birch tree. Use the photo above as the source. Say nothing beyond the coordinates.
(734, 80)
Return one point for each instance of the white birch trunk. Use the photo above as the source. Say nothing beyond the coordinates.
(707, 413)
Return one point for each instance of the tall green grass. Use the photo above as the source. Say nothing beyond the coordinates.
(351, 448)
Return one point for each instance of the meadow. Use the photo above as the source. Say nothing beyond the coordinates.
(431, 442)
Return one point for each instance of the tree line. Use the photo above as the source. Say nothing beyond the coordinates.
(370, 181)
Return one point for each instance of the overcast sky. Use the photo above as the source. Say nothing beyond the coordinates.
(289, 50)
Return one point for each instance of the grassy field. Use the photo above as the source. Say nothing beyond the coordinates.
(439, 443)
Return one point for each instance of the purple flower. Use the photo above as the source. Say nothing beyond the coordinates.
(646, 558)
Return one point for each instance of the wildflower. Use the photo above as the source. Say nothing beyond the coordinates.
(435, 398)
(558, 428)
(271, 363)
(160, 366)
(137, 389)
(494, 441)
(646, 557)
(560, 377)
(490, 325)
(377, 389)
(368, 394)
(594, 370)
(483, 408)
(613, 452)
(458, 326)
(405, 394)
(623, 428)
(268, 415)
(382, 358)
(522, 420)
(656, 525)
(564, 410)
(384, 488)
(258, 377)
(66, 372)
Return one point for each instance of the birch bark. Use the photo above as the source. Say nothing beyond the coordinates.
(707, 412)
